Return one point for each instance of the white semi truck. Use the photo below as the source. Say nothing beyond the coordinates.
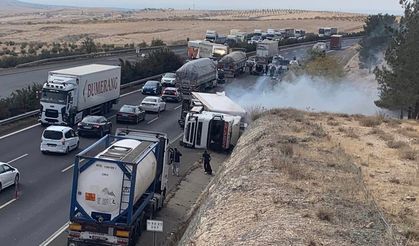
(70, 94)
(214, 122)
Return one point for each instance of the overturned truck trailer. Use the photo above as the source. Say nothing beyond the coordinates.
(232, 64)
(195, 76)
(214, 123)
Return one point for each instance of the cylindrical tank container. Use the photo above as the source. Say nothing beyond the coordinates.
(100, 186)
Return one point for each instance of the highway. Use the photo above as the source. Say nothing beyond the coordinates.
(16, 78)
(43, 205)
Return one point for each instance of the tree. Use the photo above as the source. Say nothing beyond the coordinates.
(88, 45)
(399, 78)
(378, 31)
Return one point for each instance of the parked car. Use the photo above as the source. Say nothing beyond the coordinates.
(8, 175)
(168, 80)
(94, 125)
(130, 113)
(59, 139)
(153, 104)
(152, 88)
(255, 40)
(171, 94)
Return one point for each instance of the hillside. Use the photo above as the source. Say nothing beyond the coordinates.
(14, 6)
(312, 179)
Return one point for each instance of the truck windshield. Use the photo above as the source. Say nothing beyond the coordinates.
(52, 96)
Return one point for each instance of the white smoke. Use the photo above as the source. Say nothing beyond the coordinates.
(351, 97)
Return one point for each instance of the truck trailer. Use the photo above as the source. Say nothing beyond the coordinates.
(336, 42)
(205, 49)
(214, 122)
(116, 191)
(265, 51)
(232, 64)
(195, 76)
(70, 94)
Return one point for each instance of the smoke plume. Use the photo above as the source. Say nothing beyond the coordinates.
(308, 94)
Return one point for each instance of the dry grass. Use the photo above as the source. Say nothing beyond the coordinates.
(170, 26)
(396, 144)
(325, 214)
(371, 121)
(409, 132)
(407, 153)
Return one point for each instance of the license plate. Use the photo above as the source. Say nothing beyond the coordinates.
(52, 145)
(94, 237)
(125, 115)
(88, 127)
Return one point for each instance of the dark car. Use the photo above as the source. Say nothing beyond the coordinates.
(94, 125)
(130, 113)
(171, 94)
(152, 88)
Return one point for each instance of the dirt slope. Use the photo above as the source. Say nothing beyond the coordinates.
(299, 179)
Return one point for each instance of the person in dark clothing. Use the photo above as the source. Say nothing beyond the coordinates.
(207, 159)
(176, 162)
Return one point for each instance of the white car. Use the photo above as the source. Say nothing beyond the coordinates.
(168, 80)
(8, 175)
(153, 104)
(59, 139)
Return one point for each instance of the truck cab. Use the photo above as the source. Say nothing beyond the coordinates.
(57, 100)
(210, 130)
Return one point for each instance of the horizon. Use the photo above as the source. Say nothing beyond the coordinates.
(386, 6)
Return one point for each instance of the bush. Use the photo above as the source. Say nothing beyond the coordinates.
(157, 42)
(396, 144)
(20, 101)
(371, 121)
(408, 153)
(157, 62)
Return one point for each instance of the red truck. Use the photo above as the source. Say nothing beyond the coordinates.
(336, 42)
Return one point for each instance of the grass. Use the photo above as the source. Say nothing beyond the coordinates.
(409, 132)
(324, 214)
(371, 121)
(396, 144)
(407, 153)
(287, 150)
(382, 134)
(318, 131)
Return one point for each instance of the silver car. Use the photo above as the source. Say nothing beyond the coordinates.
(168, 80)
(8, 175)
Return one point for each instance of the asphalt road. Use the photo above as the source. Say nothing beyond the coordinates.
(13, 79)
(16, 78)
(43, 204)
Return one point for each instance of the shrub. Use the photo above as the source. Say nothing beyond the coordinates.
(157, 42)
(408, 153)
(324, 214)
(396, 144)
(371, 121)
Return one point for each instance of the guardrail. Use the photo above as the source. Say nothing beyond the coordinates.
(95, 55)
(19, 117)
(142, 81)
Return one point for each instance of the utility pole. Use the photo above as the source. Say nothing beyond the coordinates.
(193, 4)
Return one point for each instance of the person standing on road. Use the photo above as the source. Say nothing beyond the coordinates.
(176, 163)
(207, 159)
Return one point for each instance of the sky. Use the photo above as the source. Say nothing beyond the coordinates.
(360, 6)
